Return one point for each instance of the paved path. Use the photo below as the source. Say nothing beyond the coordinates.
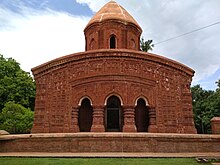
(113, 154)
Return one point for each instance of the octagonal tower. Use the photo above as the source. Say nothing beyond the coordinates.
(112, 28)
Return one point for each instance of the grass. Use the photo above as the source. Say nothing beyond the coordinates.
(98, 161)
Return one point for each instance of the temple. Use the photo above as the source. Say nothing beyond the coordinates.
(113, 86)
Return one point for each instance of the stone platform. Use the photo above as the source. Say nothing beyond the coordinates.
(109, 143)
(210, 155)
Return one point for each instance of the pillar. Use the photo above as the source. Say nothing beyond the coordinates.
(74, 122)
(152, 120)
(98, 119)
(129, 119)
(215, 123)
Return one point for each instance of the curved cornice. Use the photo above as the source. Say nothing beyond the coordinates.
(111, 53)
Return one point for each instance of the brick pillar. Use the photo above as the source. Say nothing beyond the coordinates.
(152, 120)
(215, 123)
(129, 119)
(98, 119)
(74, 122)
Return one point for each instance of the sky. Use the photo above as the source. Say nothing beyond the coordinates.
(34, 32)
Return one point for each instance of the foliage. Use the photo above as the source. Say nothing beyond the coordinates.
(99, 161)
(206, 105)
(218, 84)
(15, 84)
(16, 119)
(146, 45)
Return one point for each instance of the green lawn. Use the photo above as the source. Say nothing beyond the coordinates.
(98, 161)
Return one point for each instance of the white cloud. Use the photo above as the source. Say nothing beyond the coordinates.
(93, 4)
(34, 37)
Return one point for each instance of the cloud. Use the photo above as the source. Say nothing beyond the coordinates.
(161, 20)
(93, 5)
(33, 37)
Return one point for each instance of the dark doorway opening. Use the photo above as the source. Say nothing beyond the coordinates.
(141, 116)
(85, 116)
(113, 115)
(112, 42)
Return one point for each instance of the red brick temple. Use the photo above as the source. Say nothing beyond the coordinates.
(113, 86)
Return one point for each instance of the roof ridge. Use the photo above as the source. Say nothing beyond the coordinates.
(121, 10)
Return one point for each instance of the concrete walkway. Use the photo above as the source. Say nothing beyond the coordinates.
(111, 155)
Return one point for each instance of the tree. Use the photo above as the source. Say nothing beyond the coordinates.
(206, 105)
(16, 119)
(218, 84)
(146, 45)
(15, 84)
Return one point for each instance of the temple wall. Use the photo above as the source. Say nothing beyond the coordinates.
(130, 75)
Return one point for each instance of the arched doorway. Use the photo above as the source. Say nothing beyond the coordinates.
(85, 116)
(141, 116)
(112, 42)
(113, 115)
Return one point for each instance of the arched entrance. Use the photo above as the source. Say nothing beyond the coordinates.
(113, 115)
(141, 116)
(85, 116)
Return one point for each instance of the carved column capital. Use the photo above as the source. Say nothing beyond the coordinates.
(128, 107)
(152, 108)
(152, 112)
(98, 107)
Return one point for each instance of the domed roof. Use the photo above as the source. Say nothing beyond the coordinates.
(113, 11)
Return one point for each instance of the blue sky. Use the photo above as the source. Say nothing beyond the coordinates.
(34, 32)
(69, 6)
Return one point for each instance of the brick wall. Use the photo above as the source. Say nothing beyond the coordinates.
(98, 35)
(62, 83)
(110, 142)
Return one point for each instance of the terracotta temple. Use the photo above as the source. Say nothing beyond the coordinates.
(113, 86)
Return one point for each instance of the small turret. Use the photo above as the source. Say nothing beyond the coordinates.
(112, 27)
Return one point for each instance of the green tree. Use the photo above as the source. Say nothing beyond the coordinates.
(15, 84)
(16, 119)
(206, 105)
(218, 84)
(146, 45)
